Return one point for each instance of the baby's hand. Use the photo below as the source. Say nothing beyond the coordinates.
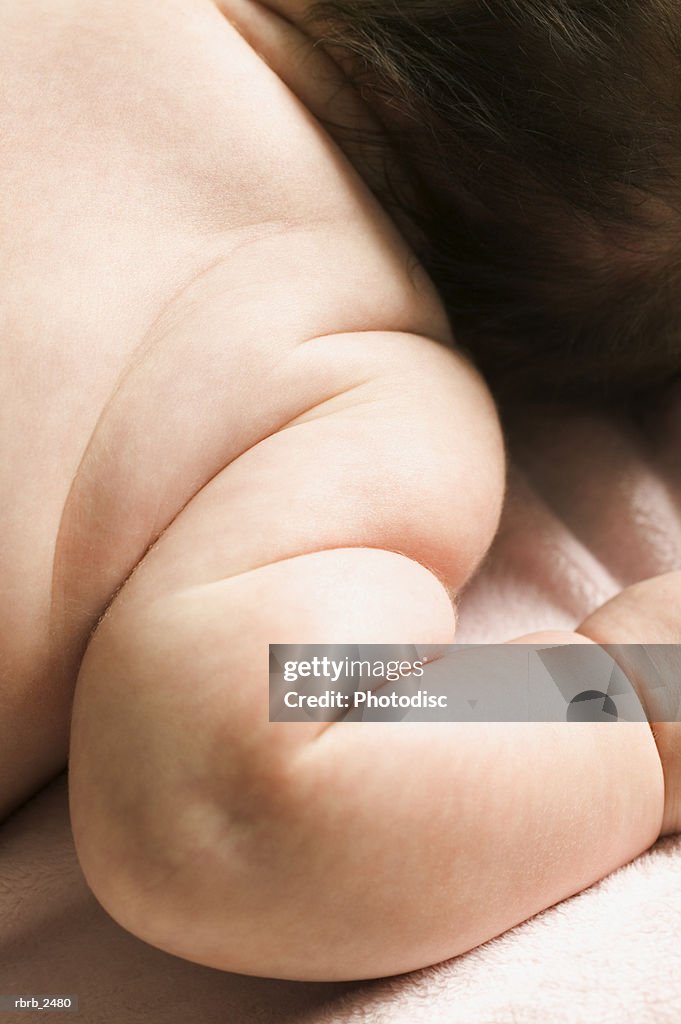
(650, 612)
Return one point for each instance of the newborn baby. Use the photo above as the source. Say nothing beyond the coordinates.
(235, 416)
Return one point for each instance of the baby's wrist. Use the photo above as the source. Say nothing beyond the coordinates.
(653, 674)
(667, 736)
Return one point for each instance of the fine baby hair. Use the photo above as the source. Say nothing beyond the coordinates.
(540, 141)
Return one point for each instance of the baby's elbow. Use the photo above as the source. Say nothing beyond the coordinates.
(179, 835)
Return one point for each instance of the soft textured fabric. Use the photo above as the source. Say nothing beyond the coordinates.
(594, 504)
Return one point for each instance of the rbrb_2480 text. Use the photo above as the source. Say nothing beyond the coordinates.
(328, 668)
(364, 698)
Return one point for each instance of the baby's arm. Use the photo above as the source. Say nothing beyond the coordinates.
(650, 613)
(346, 851)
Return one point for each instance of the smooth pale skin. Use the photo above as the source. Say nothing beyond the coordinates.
(229, 425)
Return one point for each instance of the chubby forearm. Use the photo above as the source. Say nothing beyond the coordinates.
(345, 852)
(482, 826)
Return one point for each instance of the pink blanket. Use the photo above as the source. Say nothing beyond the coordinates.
(594, 504)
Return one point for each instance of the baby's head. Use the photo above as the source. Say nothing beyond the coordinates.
(541, 140)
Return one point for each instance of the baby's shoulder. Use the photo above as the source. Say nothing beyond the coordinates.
(302, 188)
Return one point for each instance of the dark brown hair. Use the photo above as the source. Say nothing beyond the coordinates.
(541, 140)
